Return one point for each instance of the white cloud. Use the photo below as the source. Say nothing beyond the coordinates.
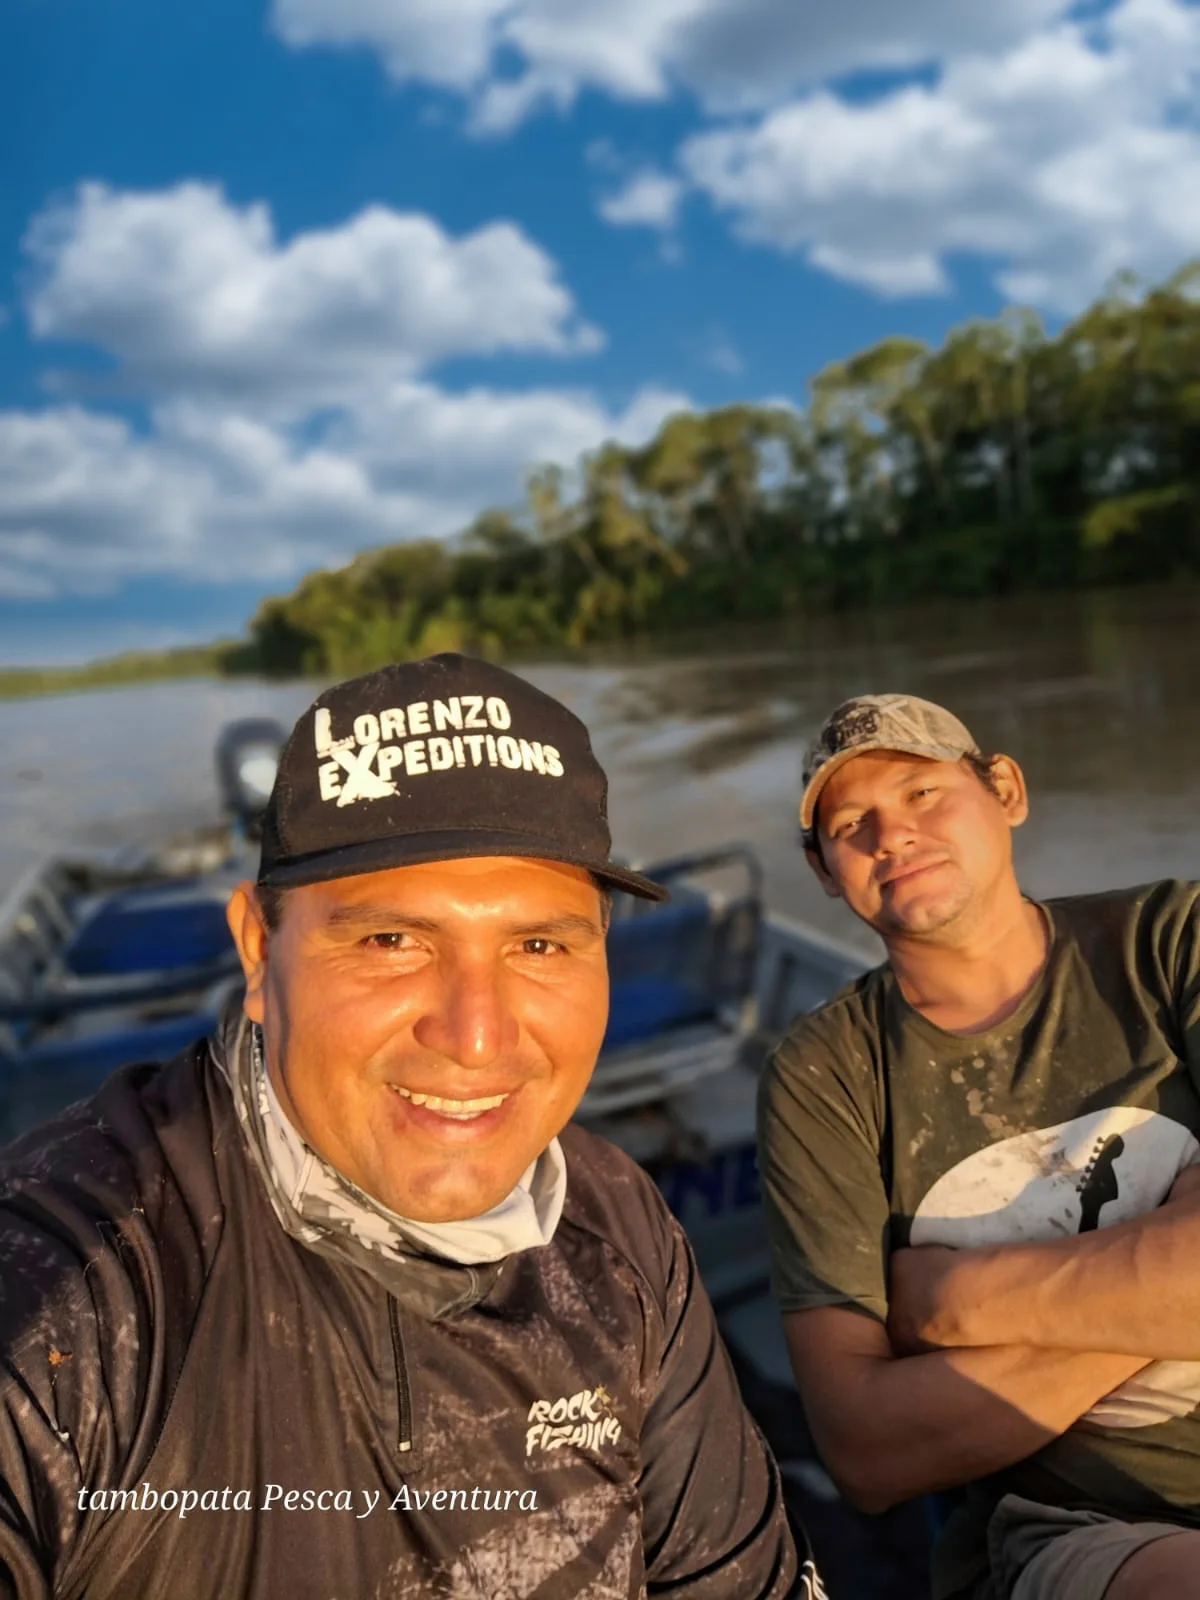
(185, 290)
(445, 42)
(469, 444)
(87, 502)
(649, 199)
(731, 53)
(1064, 159)
(717, 350)
(1062, 150)
(291, 419)
(738, 54)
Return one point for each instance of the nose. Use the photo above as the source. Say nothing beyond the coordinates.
(469, 1019)
(893, 831)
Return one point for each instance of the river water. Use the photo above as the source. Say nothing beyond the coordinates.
(1095, 694)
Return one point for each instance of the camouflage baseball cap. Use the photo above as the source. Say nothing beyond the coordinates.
(879, 722)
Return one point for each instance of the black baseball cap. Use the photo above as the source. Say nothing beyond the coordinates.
(434, 760)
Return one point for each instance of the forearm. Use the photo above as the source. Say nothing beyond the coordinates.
(1131, 1289)
(935, 1421)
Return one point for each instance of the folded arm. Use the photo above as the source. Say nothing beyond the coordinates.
(890, 1427)
(1132, 1289)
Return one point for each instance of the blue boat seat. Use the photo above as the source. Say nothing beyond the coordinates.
(658, 966)
(639, 1008)
(46, 1077)
(150, 930)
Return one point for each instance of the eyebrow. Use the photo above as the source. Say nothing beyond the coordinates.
(901, 781)
(362, 916)
(569, 922)
(376, 917)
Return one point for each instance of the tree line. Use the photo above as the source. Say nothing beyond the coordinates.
(131, 667)
(1007, 459)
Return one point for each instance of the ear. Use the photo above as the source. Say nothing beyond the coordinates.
(250, 936)
(824, 877)
(1009, 782)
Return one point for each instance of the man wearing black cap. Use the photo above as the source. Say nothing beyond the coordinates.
(337, 1305)
(978, 1163)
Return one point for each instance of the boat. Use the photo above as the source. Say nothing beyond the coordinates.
(126, 957)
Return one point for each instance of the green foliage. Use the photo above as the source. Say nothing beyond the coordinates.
(136, 666)
(1131, 514)
(1004, 460)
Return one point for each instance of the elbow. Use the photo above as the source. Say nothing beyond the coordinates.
(866, 1494)
(871, 1498)
(862, 1480)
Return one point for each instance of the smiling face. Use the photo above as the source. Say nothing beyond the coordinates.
(919, 848)
(430, 1029)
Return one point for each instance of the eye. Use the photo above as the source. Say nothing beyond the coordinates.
(540, 947)
(388, 941)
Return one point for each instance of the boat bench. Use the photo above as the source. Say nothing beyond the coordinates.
(151, 929)
(44, 1078)
(681, 978)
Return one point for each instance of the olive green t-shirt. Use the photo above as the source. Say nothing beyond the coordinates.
(879, 1129)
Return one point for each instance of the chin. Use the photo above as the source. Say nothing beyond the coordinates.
(924, 916)
(433, 1216)
(454, 1203)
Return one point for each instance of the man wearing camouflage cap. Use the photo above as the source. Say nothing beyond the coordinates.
(336, 1306)
(977, 1162)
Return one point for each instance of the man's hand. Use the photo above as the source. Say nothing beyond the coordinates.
(923, 1313)
(1186, 1187)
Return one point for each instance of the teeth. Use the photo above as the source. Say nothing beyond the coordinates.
(462, 1110)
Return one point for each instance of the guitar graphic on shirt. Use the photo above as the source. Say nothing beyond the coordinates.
(1075, 1177)
(1099, 1185)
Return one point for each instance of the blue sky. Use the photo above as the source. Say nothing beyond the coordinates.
(281, 281)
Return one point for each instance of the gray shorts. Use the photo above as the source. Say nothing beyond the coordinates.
(1044, 1553)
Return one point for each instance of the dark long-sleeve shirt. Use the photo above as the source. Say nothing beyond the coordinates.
(176, 1366)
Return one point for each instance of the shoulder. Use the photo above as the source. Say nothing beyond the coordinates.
(106, 1181)
(116, 1143)
(1115, 908)
(110, 1221)
(1160, 914)
(839, 1038)
(615, 1201)
(828, 1074)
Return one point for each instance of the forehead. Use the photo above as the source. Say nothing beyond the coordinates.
(477, 883)
(877, 773)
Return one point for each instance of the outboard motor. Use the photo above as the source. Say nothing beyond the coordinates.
(247, 759)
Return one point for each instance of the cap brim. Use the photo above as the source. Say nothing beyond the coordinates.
(928, 752)
(410, 850)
